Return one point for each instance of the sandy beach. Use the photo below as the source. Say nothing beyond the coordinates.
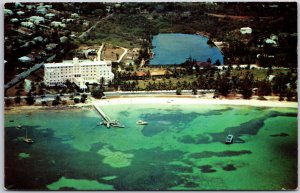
(165, 99)
(195, 100)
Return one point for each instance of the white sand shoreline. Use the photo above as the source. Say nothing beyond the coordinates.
(196, 101)
(163, 100)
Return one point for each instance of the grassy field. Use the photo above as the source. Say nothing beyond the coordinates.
(143, 83)
(259, 74)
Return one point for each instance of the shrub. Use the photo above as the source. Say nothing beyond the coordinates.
(76, 100)
(55, 102)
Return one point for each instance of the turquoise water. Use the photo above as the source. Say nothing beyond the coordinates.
(175, 48)
(182, 148)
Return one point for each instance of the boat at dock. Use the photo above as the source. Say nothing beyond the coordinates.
(106, 120)
(113, 123)
(141, 122)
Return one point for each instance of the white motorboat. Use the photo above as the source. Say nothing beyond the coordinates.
(141, 122)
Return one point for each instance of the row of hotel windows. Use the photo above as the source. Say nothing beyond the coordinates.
(71, 70)
(53, 75)
(77, 67)
(69, 76)
(53, 82)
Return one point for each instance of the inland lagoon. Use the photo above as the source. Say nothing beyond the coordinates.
(182, 148)
(175, 48)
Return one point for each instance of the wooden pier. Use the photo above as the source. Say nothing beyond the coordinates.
(103, 115)
(106, 120)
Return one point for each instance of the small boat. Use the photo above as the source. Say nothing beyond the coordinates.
(19, 126)
(26, 139)
(141, 122)
(229, 139)
(116, 123)
(113, 123)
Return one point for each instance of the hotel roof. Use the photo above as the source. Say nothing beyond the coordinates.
(71, 63)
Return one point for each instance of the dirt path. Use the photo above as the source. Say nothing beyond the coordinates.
(235, 17)
(124, 53)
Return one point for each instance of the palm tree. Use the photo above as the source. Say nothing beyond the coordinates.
(8, 102)
(170, 85)
(30, 99)
(194, 90)
(247, 86)
(17, 99)
(102, 81)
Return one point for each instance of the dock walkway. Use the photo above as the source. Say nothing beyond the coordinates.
(106, 120)
(101, 112)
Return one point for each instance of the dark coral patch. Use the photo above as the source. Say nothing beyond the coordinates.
(184, 169)
(124, 113)
(229, 167)
(199, 139)
(207, 154)
(280, 135)
(248, 128)
(216, 112)
(181, 120)
(191, 185)
(207, 169)
(276, 114)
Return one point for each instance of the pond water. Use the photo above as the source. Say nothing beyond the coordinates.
(182, 148)
(175, 48)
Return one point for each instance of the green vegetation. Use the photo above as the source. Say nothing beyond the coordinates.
(131, 24)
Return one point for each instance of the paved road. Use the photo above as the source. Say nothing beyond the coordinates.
(100, 51)
(26, 73)
(86, 33)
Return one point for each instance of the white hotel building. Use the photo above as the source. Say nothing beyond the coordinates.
(77, 71)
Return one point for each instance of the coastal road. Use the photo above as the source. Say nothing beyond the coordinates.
(23, 75)
(26, 73)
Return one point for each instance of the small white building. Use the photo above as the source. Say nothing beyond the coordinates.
(29, 7)
(50, 15)
(274, 37)
(48, 6)
(8, 12)
(19, 13)
(246, 30)
(27, 24)
(77, 71)
(74, 16)
(58, 24)
(37, 19)
(41, 10)
(18, 5)
(63, 39)
(270, 41)
(38, 39)
(14, 20)
(25, 59)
